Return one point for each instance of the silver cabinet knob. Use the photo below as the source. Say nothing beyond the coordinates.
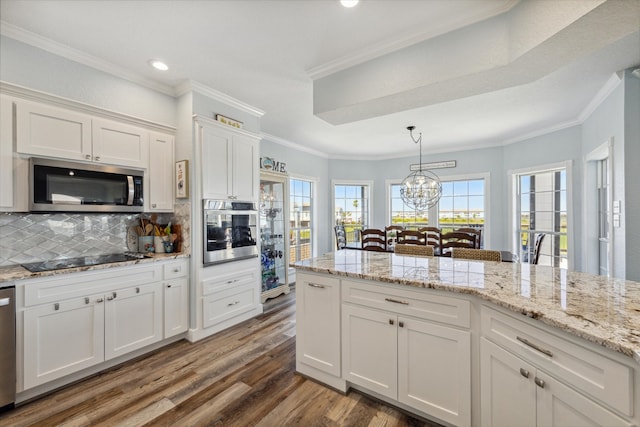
(540, 383)
(524, 372)
(153, 205)
(97, 158)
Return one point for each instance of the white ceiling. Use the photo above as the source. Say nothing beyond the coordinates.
(542, 70)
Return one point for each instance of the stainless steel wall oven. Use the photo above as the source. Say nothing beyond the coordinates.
(230, 231)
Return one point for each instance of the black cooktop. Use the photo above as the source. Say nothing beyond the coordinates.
(59, 264)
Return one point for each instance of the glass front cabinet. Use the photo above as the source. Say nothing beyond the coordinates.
(274, 206)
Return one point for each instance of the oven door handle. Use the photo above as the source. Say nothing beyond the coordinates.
(131, 190)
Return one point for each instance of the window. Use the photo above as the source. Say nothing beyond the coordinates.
(462, 205)
(541, 200)
(351, 203)
(300, 219)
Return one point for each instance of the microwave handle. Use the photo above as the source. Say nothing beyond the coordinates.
(131, 190)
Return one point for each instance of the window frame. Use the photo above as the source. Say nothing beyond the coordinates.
(313, 210)
(354, 183)
(513, 219)
(433, 212)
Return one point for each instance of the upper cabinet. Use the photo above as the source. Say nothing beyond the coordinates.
(45, 130)
(13, 170)
(159, 186)
(229, 163)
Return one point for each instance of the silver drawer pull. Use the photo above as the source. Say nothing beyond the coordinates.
(56, 306)
(233, 303)
(534, 346)
(232, 281)
(540, 383)
(86, 300)
(99, 300)
(315, 285)
(524, 372)
(137, 290)
(396, 301)
(176, 270)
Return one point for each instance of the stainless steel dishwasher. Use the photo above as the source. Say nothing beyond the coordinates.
(7, 348)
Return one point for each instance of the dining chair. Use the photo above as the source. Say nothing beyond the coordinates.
(411, 237)
(341, 237)
(476, 254)
(475, 231)
(536, 248)
(413, 250)
(391, 235)
(432, 236)
(373, 240)
(456, 239)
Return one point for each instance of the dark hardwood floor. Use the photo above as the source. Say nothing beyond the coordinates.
(244, 376)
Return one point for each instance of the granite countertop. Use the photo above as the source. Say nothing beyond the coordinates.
(17, 272)
(603, 311)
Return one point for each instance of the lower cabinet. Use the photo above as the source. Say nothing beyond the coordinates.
(62, 338)
(515, 393)
(318, 323)
(71, 322)
(416, 362)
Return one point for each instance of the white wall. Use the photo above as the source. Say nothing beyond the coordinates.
(37, 69)
(631, 211)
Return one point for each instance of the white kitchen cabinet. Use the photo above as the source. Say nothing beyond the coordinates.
(45, 130)
(119, 143)
(415, 362)
(229, 163)
(160, 176)
(515, 393)
(61, 338)
(318, 316)
(176, 298)
(6, 153)
(133, 319)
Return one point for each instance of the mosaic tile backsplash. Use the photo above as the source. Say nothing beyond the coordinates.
(39, 237)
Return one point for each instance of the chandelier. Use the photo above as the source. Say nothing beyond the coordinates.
(421, 189)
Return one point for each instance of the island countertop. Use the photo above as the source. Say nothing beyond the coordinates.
(600, 310)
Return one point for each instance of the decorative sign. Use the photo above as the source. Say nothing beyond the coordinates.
(182, 179)
(271, 165)
(228, 121)
(434, 165)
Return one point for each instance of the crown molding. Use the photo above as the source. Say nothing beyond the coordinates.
(603, 93)
(194, 86)
(295, 146)
(59, 49)
(402, 42)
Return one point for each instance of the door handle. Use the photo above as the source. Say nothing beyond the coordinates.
(396, 301)
(5, 301)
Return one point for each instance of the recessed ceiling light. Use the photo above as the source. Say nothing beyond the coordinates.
(158, 65)
(349, 3)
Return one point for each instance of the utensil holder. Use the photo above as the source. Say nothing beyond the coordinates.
(158, 244)
(145, 244)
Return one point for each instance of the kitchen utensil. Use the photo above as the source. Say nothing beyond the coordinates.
(139, 230)
(148, 229)
(173, 237)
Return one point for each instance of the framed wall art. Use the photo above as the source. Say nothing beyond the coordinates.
(182, 179)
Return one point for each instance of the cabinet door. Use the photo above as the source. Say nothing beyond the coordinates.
(318, 319)
(176, 307)
(508, 393)
(49, 131)
(434, 370)
(159, 188)
(245, 178)
(133, 319)
(6, 153)
(120, 144)
(370, 349)
(559, 405)
(62, 338)
(216, 163)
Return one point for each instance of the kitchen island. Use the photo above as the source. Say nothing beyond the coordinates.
(472, 342)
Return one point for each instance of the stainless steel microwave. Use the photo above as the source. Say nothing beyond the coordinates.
(230, 231)
(76, 187)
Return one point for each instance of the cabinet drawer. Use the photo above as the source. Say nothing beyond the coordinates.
(605, 379)
(422, 304)
(65, 286)
(227, 303)
(230, 280)
(176, 269)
